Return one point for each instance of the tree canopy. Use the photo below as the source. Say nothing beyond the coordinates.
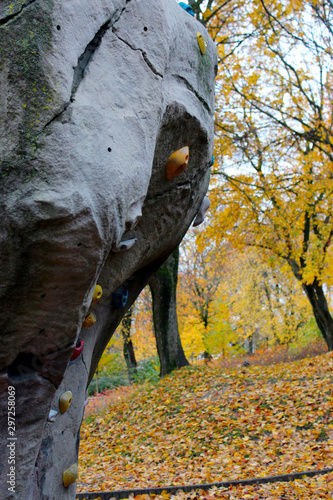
(273, 175)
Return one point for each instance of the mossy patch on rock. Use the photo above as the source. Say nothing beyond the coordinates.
(24, 41)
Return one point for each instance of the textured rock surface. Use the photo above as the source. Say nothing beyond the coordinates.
(94, 97)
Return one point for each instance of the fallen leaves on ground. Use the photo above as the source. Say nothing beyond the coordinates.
(204, 425)
(103, 400)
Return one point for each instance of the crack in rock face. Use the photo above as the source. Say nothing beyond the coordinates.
(11, 11)
(94, 99)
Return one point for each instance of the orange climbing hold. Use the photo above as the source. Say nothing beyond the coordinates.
(202, 43)
(177, 162)
(89, 320)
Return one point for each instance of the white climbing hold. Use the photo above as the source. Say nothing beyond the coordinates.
(125, 245)
(202, 211)
(52, 416)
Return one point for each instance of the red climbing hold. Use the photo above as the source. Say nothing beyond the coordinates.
(78, 349)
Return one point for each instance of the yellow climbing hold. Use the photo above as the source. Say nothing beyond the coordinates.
(202, 43)
(177, 162)
(89, 321)
(70, 475)
(97, 294)
(65, 400)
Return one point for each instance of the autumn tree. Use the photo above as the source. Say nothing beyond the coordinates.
(274, 187)
(266, 307)
(142, 328)
(231, 300)
(206, 11)
(199, 280)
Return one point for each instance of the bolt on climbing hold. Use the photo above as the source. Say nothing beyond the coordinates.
(65, 401)
(89, 320)
(77, 350)
(212, 162)
(52, 415)
(125, 245)
(70, 475)
(186, 7)
(205, 204)
(97, 294)
(203, 44)
(119, 298)
(177, 162)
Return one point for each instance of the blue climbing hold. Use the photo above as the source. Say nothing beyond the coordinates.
(212, 162)
(119, 298)
(186, 7)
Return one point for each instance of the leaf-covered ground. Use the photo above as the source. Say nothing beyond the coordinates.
(205, 424)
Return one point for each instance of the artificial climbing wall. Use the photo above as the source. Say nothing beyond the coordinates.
(106, 139)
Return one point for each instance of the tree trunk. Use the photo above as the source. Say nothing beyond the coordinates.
(128, 348)
(207, 357)
(96, 381)
(195, 4)
(251, 345)
(317, 299)
(163, 289)
(270, 308)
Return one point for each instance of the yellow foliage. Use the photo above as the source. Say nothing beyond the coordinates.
(234, 300)
(142, 331)
(192, 334)
(273, 182)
